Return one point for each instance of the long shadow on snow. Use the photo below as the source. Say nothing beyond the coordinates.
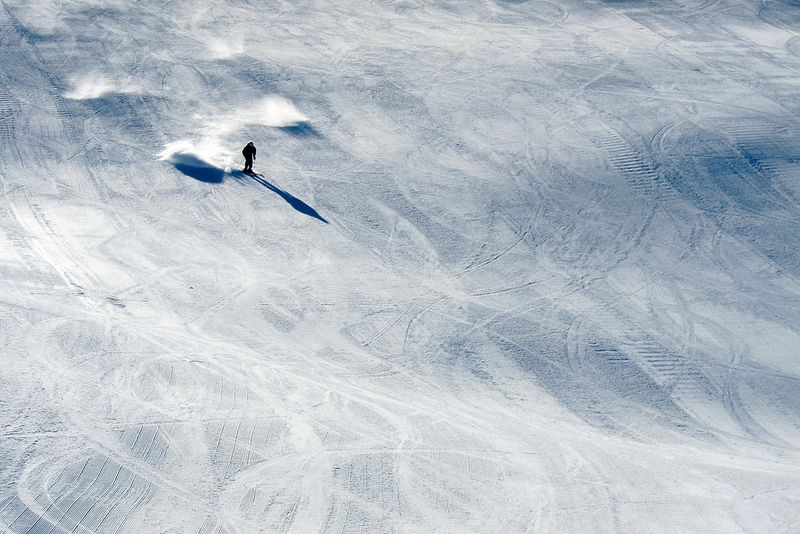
(290, 199)
(194, 167)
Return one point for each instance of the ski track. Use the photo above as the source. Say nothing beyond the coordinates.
(557, 290)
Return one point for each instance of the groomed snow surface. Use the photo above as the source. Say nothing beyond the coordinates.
(509, 266)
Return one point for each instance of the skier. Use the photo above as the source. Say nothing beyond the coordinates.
(249, 153)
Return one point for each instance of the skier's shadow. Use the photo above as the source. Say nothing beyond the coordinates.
(290, 199)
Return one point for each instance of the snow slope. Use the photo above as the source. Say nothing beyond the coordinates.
(510, 266)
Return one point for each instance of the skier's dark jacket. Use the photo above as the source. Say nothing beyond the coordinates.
(249, 152)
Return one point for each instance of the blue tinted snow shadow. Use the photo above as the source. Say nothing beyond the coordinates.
(301, 130)
(290, 199)
(198, 169)
(194, 167)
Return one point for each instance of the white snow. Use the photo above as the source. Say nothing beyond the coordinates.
(510, 266)
(96, 85)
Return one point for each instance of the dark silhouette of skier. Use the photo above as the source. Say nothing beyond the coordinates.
(249, 153)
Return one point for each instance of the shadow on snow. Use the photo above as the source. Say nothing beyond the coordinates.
(198, 169)
(301, 130)
(290, 199)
